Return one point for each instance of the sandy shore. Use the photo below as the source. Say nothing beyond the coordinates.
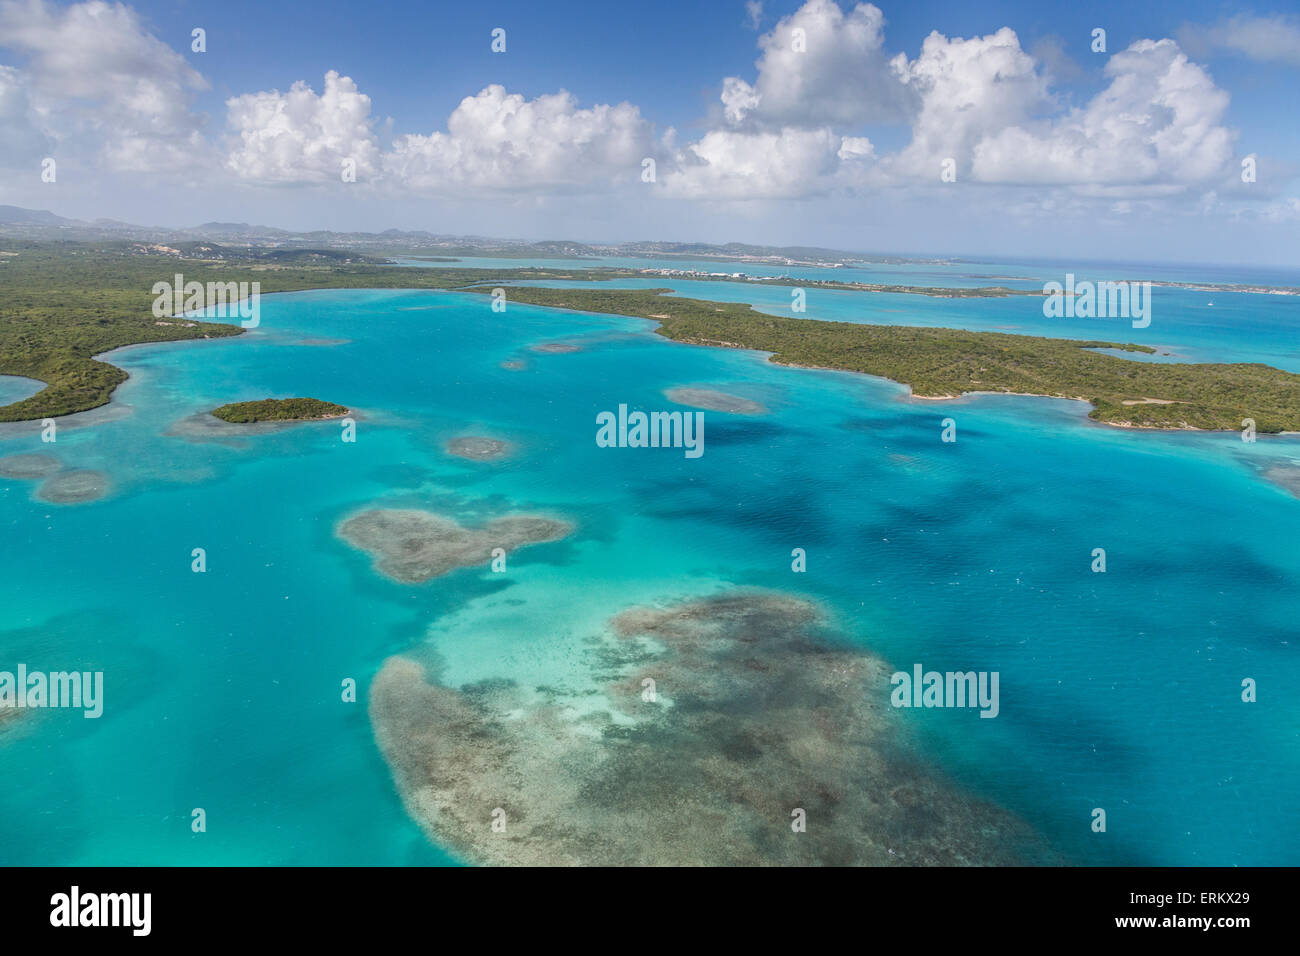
(1182, 427)
(204, 426)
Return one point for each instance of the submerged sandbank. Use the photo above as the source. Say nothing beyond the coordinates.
(100, 415)
(1285, 476)
(73, 487)
(26, 466)
(412, 546)
(479, 448)
(756, 716)
(204, 426)
(11, 722)
(714, 401)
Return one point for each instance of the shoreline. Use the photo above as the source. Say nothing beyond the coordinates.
(912, 396)
(905, 354)
(657, 326)
(287, 421)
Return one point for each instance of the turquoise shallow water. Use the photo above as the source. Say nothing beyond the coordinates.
(1118, 690)
(14, 388)
(1186, 325)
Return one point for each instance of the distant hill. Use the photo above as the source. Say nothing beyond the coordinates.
(39, 217)
(322, 244)
(236, 229)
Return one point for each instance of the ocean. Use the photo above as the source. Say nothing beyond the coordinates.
(1119, 690)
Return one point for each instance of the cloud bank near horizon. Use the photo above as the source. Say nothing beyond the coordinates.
(979, 113)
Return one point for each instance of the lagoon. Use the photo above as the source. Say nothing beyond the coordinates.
(223, 688)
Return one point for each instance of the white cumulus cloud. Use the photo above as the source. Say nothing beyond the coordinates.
(91, 80)
(103, 81)
(1158, 123)
(495, 142)
(767, 164)
(500, 141)
(968, 88)
(23, 141)
(820, 65)
(302, 136)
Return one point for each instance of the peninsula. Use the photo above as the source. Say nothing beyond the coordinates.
(947, 363)
(101, 301)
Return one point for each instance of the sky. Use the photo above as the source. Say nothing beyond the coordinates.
(994, 128)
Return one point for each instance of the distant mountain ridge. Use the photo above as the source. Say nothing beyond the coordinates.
(43, 224)
(17, 214)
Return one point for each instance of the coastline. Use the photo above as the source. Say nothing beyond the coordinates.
(878, 397)
(658, 328)
(912, 396)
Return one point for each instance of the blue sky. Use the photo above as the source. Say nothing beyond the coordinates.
(667, 56)
(1055, 148)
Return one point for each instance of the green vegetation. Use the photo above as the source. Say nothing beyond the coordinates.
(279, 410)
(938, 292)
(55, 314)
(62, 303)
(949, 362)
